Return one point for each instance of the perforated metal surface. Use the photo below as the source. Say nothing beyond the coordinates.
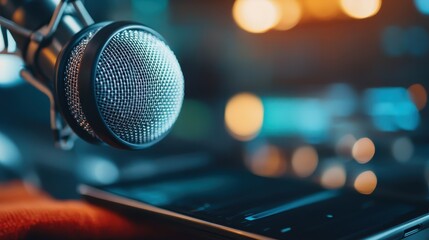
(139, 86)
(71, 73)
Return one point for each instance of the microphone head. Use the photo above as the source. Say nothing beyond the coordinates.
(119, 83)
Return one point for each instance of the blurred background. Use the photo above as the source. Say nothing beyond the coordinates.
(331, 91)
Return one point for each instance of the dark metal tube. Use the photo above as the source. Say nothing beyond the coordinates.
(34, 14)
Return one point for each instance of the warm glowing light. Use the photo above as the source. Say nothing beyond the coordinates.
(304, 161)
(325, 9)
(345, 145)
(363, 150)
(366, 182)
(256, 16)
(244, 115)
(361, 8)
(333, 177)
(267, 161)
(291, 13)
(419, 95)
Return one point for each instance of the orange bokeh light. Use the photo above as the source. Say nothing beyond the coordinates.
(419, 95)
(366, 182)
(268, 161)
(360, 8)
(291, 13)
(363, 150)
(305, 161)
(325, 9)
(333, 177)
(256, 16)
(244, 115)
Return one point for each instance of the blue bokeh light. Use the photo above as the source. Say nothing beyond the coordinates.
(304, 117)
(10, 156)
(417, 41)
(98, 170)
(422, 6)
(391, 109)
(407, 117)
(341, 100)
(393, 41)
(10, 66)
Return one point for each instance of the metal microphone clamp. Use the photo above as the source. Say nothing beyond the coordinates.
(64, 137)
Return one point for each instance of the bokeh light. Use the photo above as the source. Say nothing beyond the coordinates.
(256, 16)
(11, 41)
(291, 13)
(10, 66)
(394, 41)
(304, 117)
(333, 177)
(9, 153)
(391, 109)
(345, 145)
(402, 149)
(266, 160)
(363, 150)
(418, 95)
(341, 100)
(417, 41)
(244, 115)
(305, 161)
(326, 9)
(408, 117)
(422, 6)
(413, 40)
(360, 8)
(98, 170)
(366, 182)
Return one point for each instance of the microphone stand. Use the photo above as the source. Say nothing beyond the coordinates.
(63, 135)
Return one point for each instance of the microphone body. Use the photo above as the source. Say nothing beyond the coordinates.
(117, 83)
(33, 15)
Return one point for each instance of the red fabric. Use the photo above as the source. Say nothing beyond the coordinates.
(26, 212)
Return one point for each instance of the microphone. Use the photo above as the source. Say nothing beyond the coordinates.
(117, 83)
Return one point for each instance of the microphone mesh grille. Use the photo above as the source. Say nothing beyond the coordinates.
(139, 86)
(71, 82)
